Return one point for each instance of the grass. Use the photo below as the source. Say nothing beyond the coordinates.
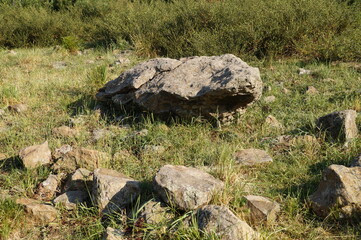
(57, 97)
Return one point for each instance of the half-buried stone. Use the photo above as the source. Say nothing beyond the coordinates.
(217, 86)
(252, 157)
(186, 188)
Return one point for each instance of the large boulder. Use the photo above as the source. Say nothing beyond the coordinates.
(339, 191)
(222, 222)
(216, 86)
(185, 187)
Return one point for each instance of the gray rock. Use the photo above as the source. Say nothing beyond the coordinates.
(113, 190)
(339, 125)
(272, 122)
(48, 188)
(71, 198)
(81, 158)
(252, 157)
(154, 213)
(217, 86)
(60, 152)
(221, 221)
(18, 108)
(81, 179)
(262, 209)
(355, 163)
(339, 191)
(36, 155)
(269, 99)
(42, 212)
(184, 187)
(113, 234)
(65, 131)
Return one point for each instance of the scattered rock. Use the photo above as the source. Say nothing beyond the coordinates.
(185, 187)
(269, 99)
(65, 131)
(71, 198)
(59, 65)
(154, 213)
(113, 190)
(338, 190)
(217, 86)
(43, 212)
(311, 90)
(302, 71)
(18, 108)
(113, 234)
(81, 179)
(339, 125)
(81, 158)
(273, 122)
(285, 91)
(262, 209)
(154, 149)
(221, 221)
(47, 189)
(355, 163)
(36, 155)
(252, 157)
(60, 152)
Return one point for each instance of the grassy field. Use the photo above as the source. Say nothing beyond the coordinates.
(57, 97)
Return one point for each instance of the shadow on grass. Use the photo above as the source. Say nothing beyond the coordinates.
(8, 164)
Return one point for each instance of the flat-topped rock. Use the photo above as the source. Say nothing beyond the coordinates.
(36, 155)
(185, 187)
(81, 179)
(262, 209)
(217, 86)
(71, 198)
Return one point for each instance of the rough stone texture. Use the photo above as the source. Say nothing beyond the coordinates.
(47, 189)
(185, 187)
(71, 198)
(224, 223)
(339, 125)
(252, 157)
(65, 131)
(357, 161)
(81, 179)
(113, 234)
(153, 212)
(339, 188)
(217, 86)
(43, 212)
(262, 209)
(60, 152)
(36, 155)
(113, 190)
(81, 158)
(273, 122)
(19, 108)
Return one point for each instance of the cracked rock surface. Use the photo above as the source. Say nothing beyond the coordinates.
(217, 86)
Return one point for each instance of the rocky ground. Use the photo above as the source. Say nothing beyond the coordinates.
(72, 167)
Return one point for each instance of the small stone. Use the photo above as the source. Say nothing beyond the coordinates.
(311, 90)
(355, 163)
(59, 65)
(81, 179)
(81, 158)
(221, 221)
(302, 71)
(71, 198)
(36, 155)
(269, 99)
(154, 149)
(18, 108)
(65, 131)
(252, 157)
(262, 209)
(273, 122)
(113, 234)
(285, 91)
(339, 192)
(43, 212)
(154, 213)
(12, 52)
(47, 189)
(339, 125)
(184, 187)
(113, 190)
